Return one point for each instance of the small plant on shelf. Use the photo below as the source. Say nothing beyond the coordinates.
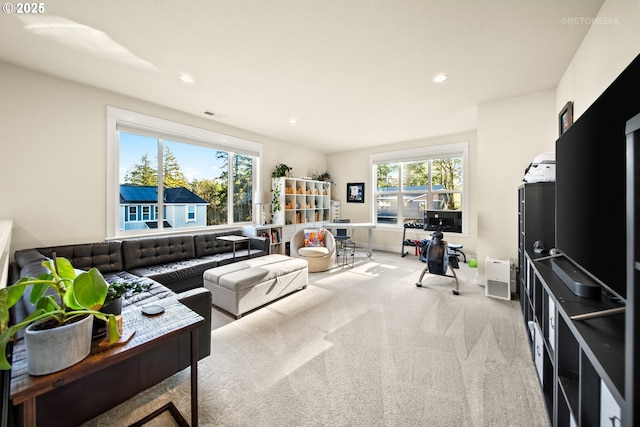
(324, 176)
(281, 170)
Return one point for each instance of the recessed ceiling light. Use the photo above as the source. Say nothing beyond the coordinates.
(439, 78)
(186, 78)
(293, 122)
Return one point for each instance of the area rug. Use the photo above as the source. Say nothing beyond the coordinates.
(363, 346)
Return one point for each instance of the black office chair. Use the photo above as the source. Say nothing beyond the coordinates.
(437, 256)
(347, 247)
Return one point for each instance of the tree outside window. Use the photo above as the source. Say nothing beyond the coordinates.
(405, 190)
(196, 187)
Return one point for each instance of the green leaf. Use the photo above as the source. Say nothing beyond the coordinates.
(65, 269)
(89, 290)
(47, 304)
(5, 337)
(69, 298)
(4, 309)
(37, 291)
(14, 293)
(62, 268)
(112, 329)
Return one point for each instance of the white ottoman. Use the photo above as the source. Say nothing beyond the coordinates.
(245, 285)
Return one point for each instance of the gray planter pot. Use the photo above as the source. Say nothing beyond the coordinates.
(52, 350)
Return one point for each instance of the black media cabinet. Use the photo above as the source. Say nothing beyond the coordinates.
(585, 367)
(580, 363)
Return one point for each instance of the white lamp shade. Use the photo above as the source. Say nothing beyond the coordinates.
(262, 197)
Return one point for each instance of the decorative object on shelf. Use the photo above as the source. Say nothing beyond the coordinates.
(71, 297)
(565, 118)
(281, 170)
(324, 176)
(262, 198)
(355, 192)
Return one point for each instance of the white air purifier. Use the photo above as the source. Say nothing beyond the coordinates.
(497, 272)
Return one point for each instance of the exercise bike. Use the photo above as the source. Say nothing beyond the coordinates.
(436, 254)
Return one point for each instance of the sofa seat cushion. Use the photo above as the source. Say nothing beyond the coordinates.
(175, 272)
(241, 255)
(156, 292)
(313, 251)
(120, 276)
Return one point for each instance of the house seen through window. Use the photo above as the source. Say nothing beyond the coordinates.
(193, 183)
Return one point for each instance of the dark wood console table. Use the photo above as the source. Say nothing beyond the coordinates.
(150, 332)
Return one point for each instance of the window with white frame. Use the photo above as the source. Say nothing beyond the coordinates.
(196, 178)
(191, 213)
(409, 182)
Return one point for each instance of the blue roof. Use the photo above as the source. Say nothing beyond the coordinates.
(149, 194)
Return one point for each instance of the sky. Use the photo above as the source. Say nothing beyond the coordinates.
(196, 162)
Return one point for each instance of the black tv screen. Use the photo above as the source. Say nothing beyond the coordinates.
(590, 184)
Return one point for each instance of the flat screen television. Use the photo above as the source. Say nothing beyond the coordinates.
(591, 228)
(439, 220)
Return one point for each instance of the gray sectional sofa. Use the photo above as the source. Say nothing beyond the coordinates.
(174, 266)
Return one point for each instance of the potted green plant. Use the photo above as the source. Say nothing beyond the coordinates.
(66, 313)
(324, 176)
(281, 170)
(113, 301)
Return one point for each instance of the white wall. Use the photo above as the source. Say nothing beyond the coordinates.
(53, 161)
(511, 132)
(612, 42)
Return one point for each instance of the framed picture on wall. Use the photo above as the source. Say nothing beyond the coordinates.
(355, 192)
(565, 118)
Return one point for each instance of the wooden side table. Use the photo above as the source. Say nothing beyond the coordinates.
(150, 332)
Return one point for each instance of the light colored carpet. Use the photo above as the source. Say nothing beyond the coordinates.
(363, 347)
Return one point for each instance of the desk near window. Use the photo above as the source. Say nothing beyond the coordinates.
(331, 226)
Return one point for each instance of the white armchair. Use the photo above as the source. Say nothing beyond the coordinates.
(319, 258)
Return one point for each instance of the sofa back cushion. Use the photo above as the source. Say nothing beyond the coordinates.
(207, 243)
(156, 251)
(105, 256)
(30, 263)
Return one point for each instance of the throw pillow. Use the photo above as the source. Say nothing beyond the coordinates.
(314, 237)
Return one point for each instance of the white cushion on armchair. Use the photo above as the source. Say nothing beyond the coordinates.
(313, 252)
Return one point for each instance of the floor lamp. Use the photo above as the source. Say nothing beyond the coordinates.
(262, 198)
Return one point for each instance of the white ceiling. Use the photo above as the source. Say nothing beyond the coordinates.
(355, 73)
